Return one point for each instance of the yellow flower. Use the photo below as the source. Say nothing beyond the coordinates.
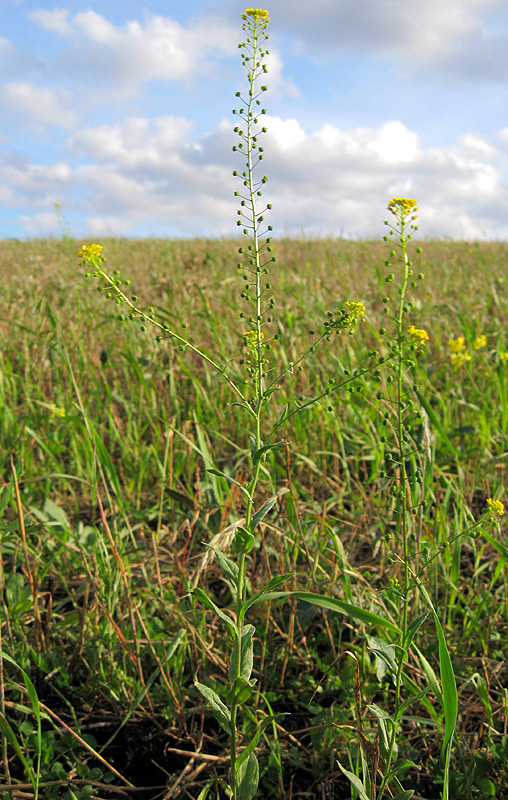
(460, 358)
(250, 339)
(91, 252)
(355, 310)
(457, 345)
(503, 356)
(479, 342)
(495, 506)
(402, 205)
(255, 13)
(57, 412)
(419, 334)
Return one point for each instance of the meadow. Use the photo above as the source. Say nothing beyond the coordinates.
(108, 437)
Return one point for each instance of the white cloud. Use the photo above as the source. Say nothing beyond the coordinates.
(149, 177)
(38, 103)
(56, 21)
(452, 37)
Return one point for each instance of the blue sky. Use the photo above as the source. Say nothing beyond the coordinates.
(121, 113)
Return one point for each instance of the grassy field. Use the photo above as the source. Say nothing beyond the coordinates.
(107, 436)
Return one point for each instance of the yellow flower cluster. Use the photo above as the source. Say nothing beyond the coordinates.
(255, 13)
(418, 334)
(495, 506)
(90, 253)
(355, 310)
(402, 205)
(503, 357)
(57, 412)
(458, 351)
(250, 339)
(479, 342)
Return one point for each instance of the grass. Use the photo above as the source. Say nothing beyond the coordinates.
(111, 434)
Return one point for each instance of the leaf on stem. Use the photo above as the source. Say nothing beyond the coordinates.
(248, 778)
(200, 595)
(219, 710)
(246, 654)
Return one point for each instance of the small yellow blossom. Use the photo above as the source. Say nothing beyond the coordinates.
(250, 339)
(91, 252)
(495, 506)
(479, 342)
(418, 334)
(355, 310)
(402, 205)
(457, 345)
(255, 13)
(460, 358)
(503, 356)
(57, 412)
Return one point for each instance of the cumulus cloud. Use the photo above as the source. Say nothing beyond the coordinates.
(149, 177)
(39, 104)
(452, 38)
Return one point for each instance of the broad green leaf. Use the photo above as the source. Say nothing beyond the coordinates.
(246, 654)
(404, 795)
(354, 781)
(228, 567)
(348, 609)
(241, 691)
(219, 710)
(247, 776)
(200, 595)
(244, 540)
(262, 512)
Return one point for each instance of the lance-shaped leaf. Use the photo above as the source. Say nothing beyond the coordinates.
(355, 781)
(240, 691)
(219, 710)
(348, 609)
(200, 595)
(248, 778)
(272, 584)
(229, 479)
(228, 567)
(262, 512)
(255, 739)
(262, 450)
(246, 655)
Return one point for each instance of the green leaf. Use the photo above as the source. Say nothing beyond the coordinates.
(253, 743)
(229, 479)
(247, 776)
(501, 548)
(244, 540)
(228, 567)
(414, 699)
(241, 690)
(246, 654)
(274, 583)
(282, 416)
(263, 511)
(219, 710)
(404, 795)
(262, 450)
(200, 595)
(348, 609)
(354, 781)
(414, 626)
(449, 688)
